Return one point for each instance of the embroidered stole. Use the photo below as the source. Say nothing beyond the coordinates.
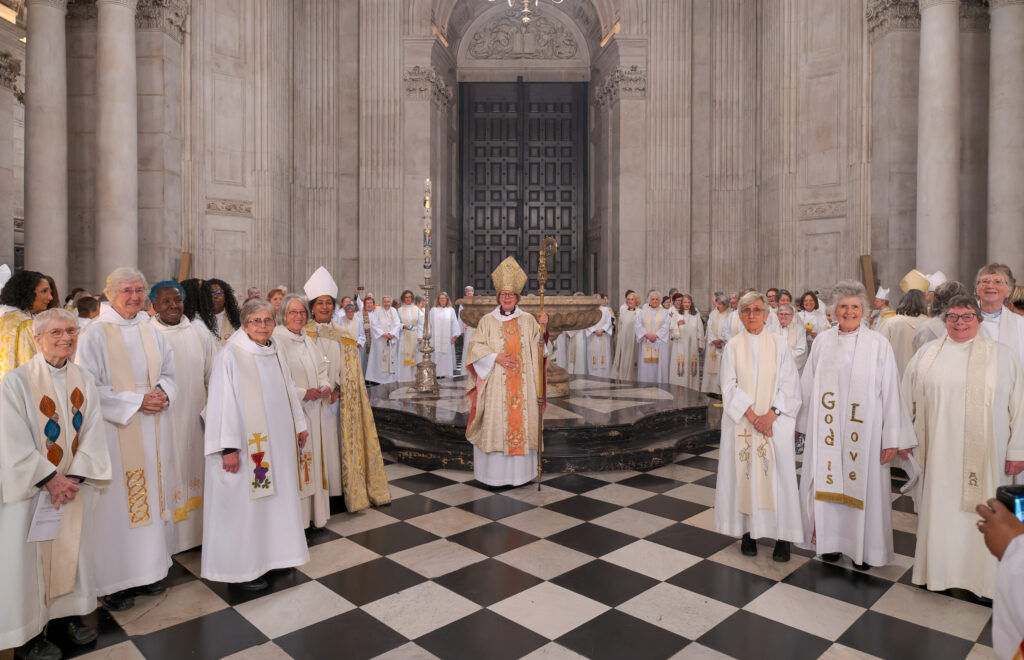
(388, 347)
(225, 329)
(305, 455)
(409, 334)
(748, 440)
(981, 369)
(133, 454)
(59, 445)
(711, 365)
(841, 458)
(599, 346)
(652, 321)
(515, 427)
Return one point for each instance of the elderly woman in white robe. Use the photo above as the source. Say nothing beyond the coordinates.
(756, 494)
(855, 423)
(255, 432)
(789, 328)
(687, 334)
(714, 342)
(935, 326)
(966, 394)
(599, 345)
(624, 365)
(309, 371)
(653, 334)
(58, 460)
(134, 370)
(382, 362)
(445, 330)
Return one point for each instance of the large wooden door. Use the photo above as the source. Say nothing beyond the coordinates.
(523, 178)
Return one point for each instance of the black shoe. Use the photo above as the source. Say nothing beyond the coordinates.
(864, 566)
(259, 584)
(154, 589)
(38, 648)
(748, 546)
(73, 630)
(119, 601)
(781, 552)
(832, 557)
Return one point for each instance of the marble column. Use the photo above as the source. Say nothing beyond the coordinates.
(938, 138)
(46, 142)
(1006, 135)
(10, 69)
(117, 140)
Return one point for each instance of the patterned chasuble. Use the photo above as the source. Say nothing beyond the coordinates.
(515, 435)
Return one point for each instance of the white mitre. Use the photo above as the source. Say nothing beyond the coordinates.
(5, 274)
(935, 280)
(320, 283)
(882, 293)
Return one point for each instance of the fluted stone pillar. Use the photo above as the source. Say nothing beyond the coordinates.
(46, 142)
(938, 138)
(10, 69)
(1006, 135)
(117, 142)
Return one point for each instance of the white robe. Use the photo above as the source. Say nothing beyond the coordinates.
(408, 315)
(899, 330)
(383, 322)
(653, 372)
(467, 334)
(713, 355)
(785, 522)
(560, 355)
(599, 348)
(864, 535)
(950, 551)
(444, 327)
(933, 328)
(796, 336)
(684, 360)
(576, 351)
(126, 557)
(732, 326)
(22, 465)
(193, 356)
(308, 369)
(244, 538)
(330, 349)
(624, 367)
(1008, 608)
(1006, 328)
(818, 321)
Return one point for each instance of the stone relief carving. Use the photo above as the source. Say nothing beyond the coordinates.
(505, 37)
(425, 82)
(821, 210)
(627, 82)
(996, 4)
(170, 16)
(81, 10)
(974, 16)
(237, 207)
(10, 68)
(885, 16)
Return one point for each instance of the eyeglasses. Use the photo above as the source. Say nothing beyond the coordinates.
(266, 321)
(297, 312)
(752, 310)
(966, 317)
(216, 292)
(138, 291)
(994, 281)
(57, 333)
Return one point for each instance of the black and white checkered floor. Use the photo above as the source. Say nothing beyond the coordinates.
(603, 565)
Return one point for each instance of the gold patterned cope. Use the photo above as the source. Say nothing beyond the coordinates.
(508, 276)
(16, 344)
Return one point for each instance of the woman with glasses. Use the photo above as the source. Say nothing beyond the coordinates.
(687, 333)
(994, 285)
(218, 308)
(756, 493)
(255, 433)
(134, 370)
(855, 423)
(26, 293)
(966, 394)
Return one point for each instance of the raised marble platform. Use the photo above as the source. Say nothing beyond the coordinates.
(603, 424)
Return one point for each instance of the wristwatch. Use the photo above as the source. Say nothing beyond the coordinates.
(778, 413)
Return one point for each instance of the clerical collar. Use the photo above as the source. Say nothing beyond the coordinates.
(502, 311)
(991, 315)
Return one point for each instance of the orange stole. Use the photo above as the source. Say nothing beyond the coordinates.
(515, 438)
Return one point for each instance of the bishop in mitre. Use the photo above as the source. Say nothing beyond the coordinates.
(504, 415)
(255, 433)
(53, 451)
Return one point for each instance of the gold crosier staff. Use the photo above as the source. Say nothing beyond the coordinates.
(547, 249)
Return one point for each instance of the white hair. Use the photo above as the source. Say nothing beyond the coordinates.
(43, 320)
(123, 275)
(253, 305)
(750, 298)
(849, 289)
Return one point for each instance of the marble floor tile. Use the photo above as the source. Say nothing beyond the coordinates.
(980, 652)
(482, 634)
(680, 473)
(487, 582)
(447, 522)
(619, 494)
(605, 582)
(122, 651)
(904, 522)
(705, 520)
(805, 610)
(678, 610)
(460, 476)
(652, 559)
(268, 651)
(613, 635)
(457, 494)
(289, 610)
(398, 493)
(548, 609)
(694, 493)
(181, 603)
(695, 651)
(530, 495)
(634, 523)
(762, 564)
(934, 610)
(840, 652)
(437, 558)
(613, 477)
(192, 560)
(397, 471)
(408, 651)
(540, 522)
(421, 609)
(746, 635)
(334, 556)
(544, 559)
(553, 651)
(353, 523)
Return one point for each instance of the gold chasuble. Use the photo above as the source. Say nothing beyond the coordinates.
(16, 344)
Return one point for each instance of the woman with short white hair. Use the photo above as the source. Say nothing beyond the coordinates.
(715, 343)
(756, 495)
(624, 364)
(855, 422)
(134, 369)
(653, 335)
(446, 329)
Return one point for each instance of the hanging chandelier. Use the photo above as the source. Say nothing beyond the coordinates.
(525, 13)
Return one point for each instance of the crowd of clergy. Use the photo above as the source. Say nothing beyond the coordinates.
(155, 419)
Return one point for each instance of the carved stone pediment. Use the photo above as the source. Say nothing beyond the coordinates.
(885, 16)
(622, 82)
(426, 83)
(220, 206)
(505, 37)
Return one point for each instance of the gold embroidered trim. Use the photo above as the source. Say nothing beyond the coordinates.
(193, 504)
(839, 498)
(138, 498)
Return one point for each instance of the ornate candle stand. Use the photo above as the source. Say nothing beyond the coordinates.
(426, 370)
